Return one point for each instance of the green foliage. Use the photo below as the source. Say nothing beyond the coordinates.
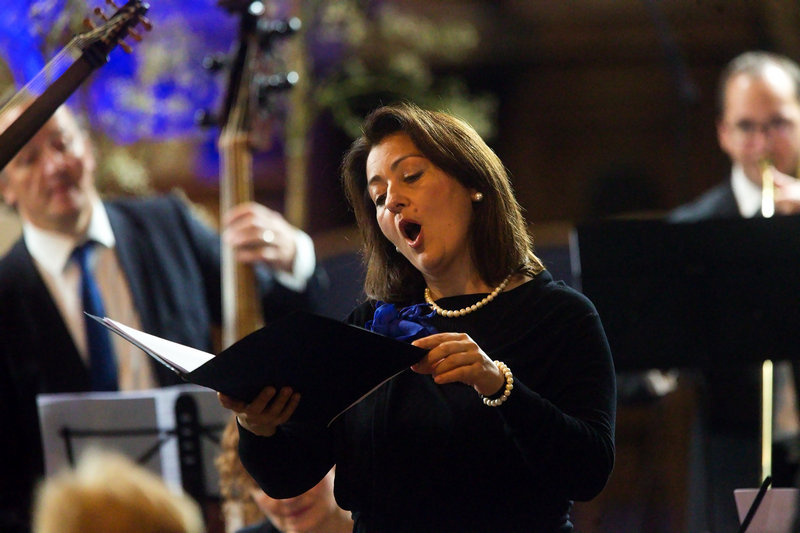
(391, 55)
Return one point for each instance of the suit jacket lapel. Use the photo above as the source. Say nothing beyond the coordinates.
(42, 319)
(726, 205)
(133, 259)
(39, 299)
(141, 268)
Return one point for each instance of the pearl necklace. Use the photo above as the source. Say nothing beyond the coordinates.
(471, 308)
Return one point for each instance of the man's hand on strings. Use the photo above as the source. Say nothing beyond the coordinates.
(259, 234)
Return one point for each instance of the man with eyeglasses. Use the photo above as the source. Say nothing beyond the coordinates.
(758, 127)
(759, 124)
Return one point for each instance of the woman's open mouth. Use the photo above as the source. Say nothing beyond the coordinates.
(410, 230)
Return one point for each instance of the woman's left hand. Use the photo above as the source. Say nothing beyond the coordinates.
(455, 357)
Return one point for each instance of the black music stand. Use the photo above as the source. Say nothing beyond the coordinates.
(716, 295)
(693, 294)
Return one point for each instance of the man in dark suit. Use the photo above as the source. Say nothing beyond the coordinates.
(759, 128)
(157, 267)
(759, 123)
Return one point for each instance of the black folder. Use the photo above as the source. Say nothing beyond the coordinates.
(331, 364)
(693, 294)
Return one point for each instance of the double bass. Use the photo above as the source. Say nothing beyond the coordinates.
(246, 93)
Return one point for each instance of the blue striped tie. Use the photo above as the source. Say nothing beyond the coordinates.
(102, 362)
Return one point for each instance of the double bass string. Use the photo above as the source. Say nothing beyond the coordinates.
(39, 98)
(59, 64)
(50, 73)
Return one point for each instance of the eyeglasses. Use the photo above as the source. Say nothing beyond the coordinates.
(746, 130)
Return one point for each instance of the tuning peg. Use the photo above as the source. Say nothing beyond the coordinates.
(241, 5)
(215, 62)
(125, 46)
(269, 29)
(134, 35)
(145, 22)
(277, 82)
(204, 118)
(88, 24)
(256, 8)
(99, 13)
(268, 84)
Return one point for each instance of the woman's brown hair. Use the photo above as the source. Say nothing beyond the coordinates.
(235, 483)
(500, 240)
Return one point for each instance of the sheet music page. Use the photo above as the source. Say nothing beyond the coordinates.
(181, 357)
(775, 514)
(170, 456)
(119, 421)
(138, 424)
(332, 364)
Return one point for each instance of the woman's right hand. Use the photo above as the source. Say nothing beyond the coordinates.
(262, 416)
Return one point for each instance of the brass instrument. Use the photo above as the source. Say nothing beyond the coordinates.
(767, 189)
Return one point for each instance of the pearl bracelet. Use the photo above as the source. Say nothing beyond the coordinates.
(494, 402)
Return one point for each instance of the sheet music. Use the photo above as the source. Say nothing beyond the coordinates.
(92, 416)
(165, 415)
(175, 355)
(137, 424)
(775, 514)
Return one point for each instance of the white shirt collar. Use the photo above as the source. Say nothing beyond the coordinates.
(52, 249)
(747, 193)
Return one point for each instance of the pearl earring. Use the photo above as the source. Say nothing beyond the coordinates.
(477, 197)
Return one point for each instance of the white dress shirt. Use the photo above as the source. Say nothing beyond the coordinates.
(747, 193)
(305, 261)
(51, 253)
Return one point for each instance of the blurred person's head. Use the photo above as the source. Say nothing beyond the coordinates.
(109, 493)
(314, 511)
(759, 113)
(50, 181)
